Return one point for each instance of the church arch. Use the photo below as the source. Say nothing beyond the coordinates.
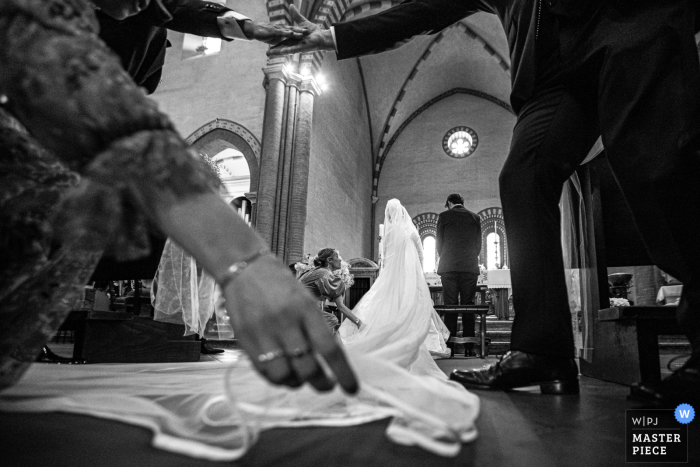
(492, 222)
(219, 134)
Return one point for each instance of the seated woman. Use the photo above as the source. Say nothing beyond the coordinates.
(323, 284)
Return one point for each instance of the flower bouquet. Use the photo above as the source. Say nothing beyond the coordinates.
(306, 264)
(615, 301)
(344, 274)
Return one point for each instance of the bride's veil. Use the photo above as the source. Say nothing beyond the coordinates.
(398, 239)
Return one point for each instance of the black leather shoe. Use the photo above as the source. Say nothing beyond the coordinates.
(519, 369)
(47, 356)
(206, 350)
(682, 386)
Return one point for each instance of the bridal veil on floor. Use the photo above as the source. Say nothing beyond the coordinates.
(216, 410)
(193, 409)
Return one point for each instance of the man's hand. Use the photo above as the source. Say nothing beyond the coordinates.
(316, 39)
(273, 34)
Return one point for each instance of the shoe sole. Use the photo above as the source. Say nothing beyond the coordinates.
(557, 387)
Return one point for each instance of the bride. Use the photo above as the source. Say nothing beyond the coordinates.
(400, 323)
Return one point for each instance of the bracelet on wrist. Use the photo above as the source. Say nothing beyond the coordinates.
(237, 268)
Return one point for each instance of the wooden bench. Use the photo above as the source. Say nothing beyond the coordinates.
(463, 310)
(121, 337)
(626, 342)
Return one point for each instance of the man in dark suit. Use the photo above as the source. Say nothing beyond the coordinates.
(458, 244)
(627, 69)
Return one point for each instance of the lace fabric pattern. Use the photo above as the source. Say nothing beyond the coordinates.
(63, 84)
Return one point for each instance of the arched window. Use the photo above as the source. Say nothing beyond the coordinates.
(429, 254)
(493, 260)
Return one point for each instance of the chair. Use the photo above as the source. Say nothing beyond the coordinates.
(463, 310)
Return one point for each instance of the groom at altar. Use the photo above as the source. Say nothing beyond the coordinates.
(458, 244)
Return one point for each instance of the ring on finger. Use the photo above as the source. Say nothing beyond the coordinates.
(298, 352)
(269, 356)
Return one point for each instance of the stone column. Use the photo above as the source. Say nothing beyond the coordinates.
(284, 166)
(289, 129)
(308, 89)
(275, 82)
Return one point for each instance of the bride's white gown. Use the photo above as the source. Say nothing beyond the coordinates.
(216, 410)
(400, 324)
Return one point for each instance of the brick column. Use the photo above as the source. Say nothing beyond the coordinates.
(275, 83)
(284, 166)
(279, 243)
(308, 89)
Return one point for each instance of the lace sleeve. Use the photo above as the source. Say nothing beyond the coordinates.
(72, 94)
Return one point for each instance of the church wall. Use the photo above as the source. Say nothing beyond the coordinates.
(419, 173)
(340, 178)
(225, 85)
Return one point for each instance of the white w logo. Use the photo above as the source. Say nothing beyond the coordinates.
(684, 413)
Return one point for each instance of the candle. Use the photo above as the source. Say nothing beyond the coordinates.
(381, 230)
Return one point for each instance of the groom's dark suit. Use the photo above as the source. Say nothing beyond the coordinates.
(625, 68)
(458, 244)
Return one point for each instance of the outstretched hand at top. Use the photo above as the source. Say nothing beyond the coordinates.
(273, 34)
(317, 38)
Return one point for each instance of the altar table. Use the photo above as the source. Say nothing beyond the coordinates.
(498, 280)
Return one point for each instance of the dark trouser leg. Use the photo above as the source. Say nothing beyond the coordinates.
(553, 135)
(646, 122)
(467, 290)
(450, 296)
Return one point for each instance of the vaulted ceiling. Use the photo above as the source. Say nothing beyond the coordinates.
(470, 55)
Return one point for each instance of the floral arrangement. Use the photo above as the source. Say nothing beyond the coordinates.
(344, 274)
(306, 264)
(615, 301)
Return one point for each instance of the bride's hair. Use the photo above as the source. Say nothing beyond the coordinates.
(321, 258)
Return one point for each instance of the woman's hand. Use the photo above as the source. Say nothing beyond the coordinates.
(280, 328)
(359, 323)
